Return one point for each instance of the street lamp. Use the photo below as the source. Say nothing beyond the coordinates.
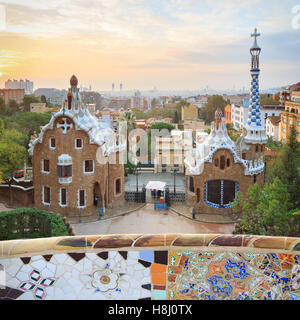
(174, 173)
(137, 174)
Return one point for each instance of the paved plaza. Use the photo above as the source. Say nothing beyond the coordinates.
(148, 220)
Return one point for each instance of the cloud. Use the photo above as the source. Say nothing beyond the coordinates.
(110, 36)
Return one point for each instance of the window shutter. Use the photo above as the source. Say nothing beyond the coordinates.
(59, 171)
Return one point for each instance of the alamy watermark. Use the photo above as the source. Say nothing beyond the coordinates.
(296, 18)
(154, 146)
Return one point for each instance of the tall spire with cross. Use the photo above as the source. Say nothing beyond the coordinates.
(255, 130)
(254, 116)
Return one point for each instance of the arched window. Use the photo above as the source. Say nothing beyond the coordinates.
(256, 149)
(220, 193)
(228, 162)
(216, 162)
(191, 183)
(244, 155)
(222, 162)
(198, 195)
(118, 186)
(254, 178)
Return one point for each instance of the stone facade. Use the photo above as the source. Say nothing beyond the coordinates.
(196, 194)
(217, 168)
(73, 169)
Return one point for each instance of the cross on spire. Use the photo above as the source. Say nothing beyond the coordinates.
(255, 34)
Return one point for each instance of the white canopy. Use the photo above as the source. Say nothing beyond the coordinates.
(157, 185)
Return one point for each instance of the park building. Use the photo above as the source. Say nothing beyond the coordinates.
(75, 161)
(217, 168)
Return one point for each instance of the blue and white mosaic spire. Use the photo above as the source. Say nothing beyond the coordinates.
(254, 115)
(256, 132)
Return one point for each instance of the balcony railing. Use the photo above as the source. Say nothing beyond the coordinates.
(65, 180)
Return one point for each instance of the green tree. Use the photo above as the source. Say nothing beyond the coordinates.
(286, 167)
(273, 144)
(30, 98)
(13, 107)
(12, 153)
(30, 122)
(3, 108)
(264, 210)
(162, 125)
(43, 99)
(213, 103)
(266, 99)
(176, 117)
(138, 113)
(129, 117)
(233, 134)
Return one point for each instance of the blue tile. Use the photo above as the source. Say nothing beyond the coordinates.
(147, 256)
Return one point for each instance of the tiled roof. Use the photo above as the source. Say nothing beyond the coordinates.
(274, 120)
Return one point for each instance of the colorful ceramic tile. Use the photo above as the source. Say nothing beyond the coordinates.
(159, 294)
(147, 256)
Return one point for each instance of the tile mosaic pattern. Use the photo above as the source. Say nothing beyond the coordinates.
(207, 275)
(159, 267)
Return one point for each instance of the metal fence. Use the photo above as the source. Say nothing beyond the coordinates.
(177, 196)
(174, 196)
(136, 196)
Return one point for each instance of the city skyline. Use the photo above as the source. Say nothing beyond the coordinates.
(171, 45)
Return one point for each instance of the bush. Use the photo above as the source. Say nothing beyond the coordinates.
(31, 223)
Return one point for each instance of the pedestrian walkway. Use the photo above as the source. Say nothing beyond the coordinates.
(147, 220)
(126, 207)
(186, 211)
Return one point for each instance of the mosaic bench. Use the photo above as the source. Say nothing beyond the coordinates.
(151, 266)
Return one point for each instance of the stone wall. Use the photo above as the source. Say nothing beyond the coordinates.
(233, 172)
(103, 178)
(22, 195)
(167, 266)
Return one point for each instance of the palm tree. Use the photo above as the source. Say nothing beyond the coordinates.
(129, 117)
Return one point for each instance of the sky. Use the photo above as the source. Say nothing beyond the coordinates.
(167, 44)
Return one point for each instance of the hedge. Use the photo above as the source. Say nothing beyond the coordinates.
(31, 223)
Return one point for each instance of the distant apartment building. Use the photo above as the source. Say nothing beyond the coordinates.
(189, 112)
(54, 96)
(92, 97)
(227, 114)
(12, 94)
(236, 99)
(239, 113)
(118, 103)
(196, 101)
(273, 127)
(285, 92)
(39, 107)
(140, 102)
(21, 84)
(170, 151)
(290, 116)
(111, 117)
